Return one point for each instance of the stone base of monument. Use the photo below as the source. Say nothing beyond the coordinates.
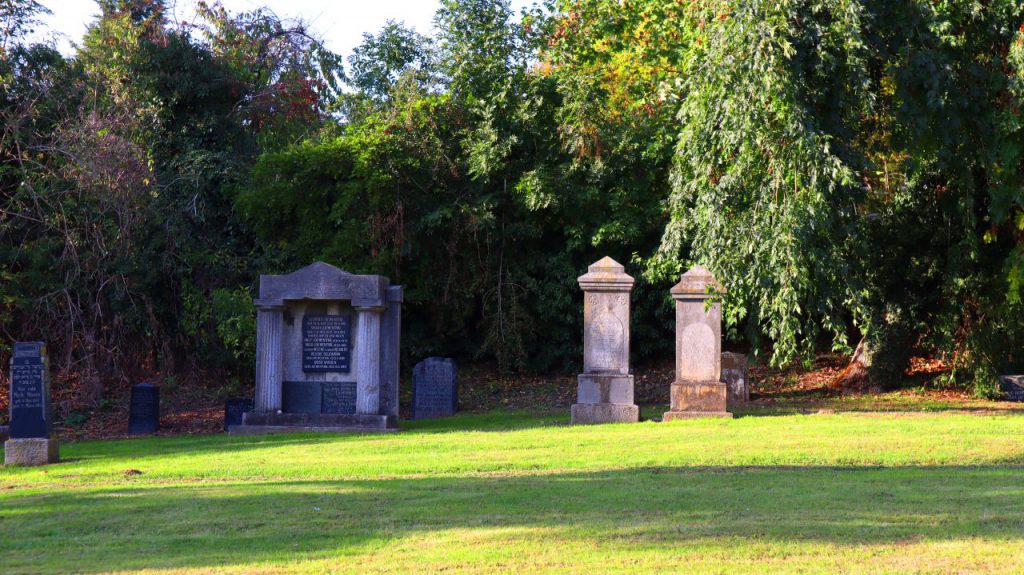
(587, 413)
(254, 423)
(692, 399)
(604, 399)
(31, 451)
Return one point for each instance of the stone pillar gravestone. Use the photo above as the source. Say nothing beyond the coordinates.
(327, 348)
(31, 424)
(698, 390)
(144, 409)
(435, 388)
(604, 392)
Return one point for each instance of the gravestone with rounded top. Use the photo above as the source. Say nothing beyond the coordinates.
(698, 390)
(435, 388)
(604, 392)
(327, 345)
(31, 423)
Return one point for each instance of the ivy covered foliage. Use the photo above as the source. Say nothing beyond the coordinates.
(849, 169)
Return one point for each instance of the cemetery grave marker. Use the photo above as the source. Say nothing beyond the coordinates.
(698, 390)
(327, 346)
(435, 388)
(144, 410)
(31, 411)
(604, 391)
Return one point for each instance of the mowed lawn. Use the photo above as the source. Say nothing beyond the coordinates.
(526, 493)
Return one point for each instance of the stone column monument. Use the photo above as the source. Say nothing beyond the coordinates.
(31, 411)
(327, 352)
(698, 390)
(605, 388)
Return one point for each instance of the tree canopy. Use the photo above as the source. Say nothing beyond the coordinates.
(849, 169)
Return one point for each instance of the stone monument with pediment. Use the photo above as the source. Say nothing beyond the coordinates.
(604, 391)
(327, 346)
(698, 390)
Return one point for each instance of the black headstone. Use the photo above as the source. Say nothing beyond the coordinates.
(1012, 386)
(144, 411)
(301, 397)
(31, 412)
(326, 343)
(435, 389)
(339, 397)
(233, 410)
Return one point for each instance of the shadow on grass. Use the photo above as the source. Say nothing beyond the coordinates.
(662, 508)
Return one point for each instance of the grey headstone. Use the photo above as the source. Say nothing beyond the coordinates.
(144, 411)
(234, 408)
(734, 374)
(1012, 386)
(435, 388)
(31, 410)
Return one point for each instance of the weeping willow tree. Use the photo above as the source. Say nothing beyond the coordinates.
(852, 169)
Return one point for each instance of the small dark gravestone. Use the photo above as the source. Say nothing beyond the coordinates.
(339, 397)
(1012, 386)
(302, 397)
(144, 411)
(435, 388)
(31, 411)
(233, 410)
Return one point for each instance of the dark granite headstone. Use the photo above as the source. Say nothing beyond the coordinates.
(31, 412)
(144, 411)
(233, 410)
(326, 343)
(339, 397)
(1012, 386)
(301, 397)
(435, 390)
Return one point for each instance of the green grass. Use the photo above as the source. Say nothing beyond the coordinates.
(521, 492)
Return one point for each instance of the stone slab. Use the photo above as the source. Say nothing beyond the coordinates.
(31, 451)
(326, 343)
(255, 423)
(435, 388)
(144, 410)
(677, 415)
(1012, 386)
(302, 397)
(592, 413)
(735, 376)
(339, 397)
(234, 408)
(30, 407)
(699, 397)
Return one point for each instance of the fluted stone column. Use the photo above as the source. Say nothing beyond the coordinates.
(269, 360)
(368, 360)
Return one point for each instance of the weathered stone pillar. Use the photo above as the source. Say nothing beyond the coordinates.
(698, 390)
(269, 359)
(368, 360)
(605, 388)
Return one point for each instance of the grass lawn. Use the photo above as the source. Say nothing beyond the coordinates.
(846, 492)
